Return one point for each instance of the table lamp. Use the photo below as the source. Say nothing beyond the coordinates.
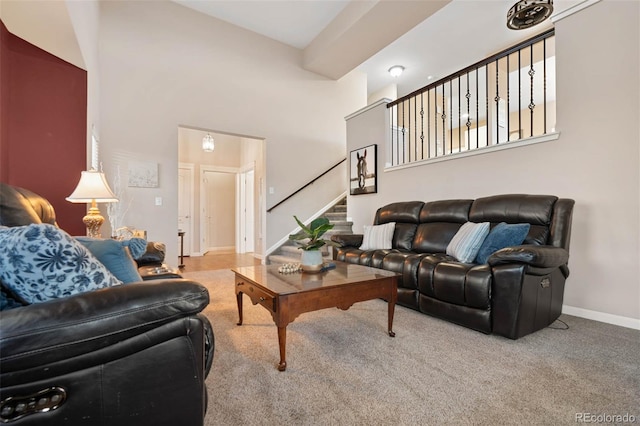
(92, 188)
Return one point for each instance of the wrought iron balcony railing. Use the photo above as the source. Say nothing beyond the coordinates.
(506, 97)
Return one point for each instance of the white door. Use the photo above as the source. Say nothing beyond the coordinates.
(246, 221)
(219, 210)
(185, 207)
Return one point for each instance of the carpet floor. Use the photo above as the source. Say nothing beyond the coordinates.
(343, 369)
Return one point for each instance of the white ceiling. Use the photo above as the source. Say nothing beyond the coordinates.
(293, 22)
(458, 35)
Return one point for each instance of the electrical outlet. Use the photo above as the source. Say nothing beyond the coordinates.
(158, 201)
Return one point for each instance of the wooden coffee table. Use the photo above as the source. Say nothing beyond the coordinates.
(286, 296)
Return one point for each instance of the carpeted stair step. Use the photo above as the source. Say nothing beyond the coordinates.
(333, 216)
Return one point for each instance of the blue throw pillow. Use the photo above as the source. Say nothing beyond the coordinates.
(115, 256)
(137, 246)
(41, 262)
(501, 236)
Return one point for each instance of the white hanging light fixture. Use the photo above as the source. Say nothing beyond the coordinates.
(208, 144)
(527, 13)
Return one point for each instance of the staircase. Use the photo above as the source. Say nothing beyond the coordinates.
(337, 215)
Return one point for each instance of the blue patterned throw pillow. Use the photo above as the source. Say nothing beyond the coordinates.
(40, 262)
(137, 246)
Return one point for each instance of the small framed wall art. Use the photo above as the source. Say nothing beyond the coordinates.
(143, 174)
(363, 178)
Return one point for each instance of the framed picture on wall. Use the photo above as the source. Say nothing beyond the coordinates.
(143, 174)
(363, 177)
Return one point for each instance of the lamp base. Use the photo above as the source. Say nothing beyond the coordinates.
(93, 221)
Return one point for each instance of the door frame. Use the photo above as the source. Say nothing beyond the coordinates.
(203, 221)
(241, 217)
(192, 207)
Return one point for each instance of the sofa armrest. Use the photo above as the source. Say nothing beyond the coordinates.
(60, 329)
(348, 240)
(158, 272)
(536, 256)
(153, 255)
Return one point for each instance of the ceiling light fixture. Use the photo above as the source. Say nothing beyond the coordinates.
(208, 144)
(396, 70)
(527, 13)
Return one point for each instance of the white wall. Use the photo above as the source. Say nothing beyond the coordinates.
(163, 65)
(85, 19)
(595, 161)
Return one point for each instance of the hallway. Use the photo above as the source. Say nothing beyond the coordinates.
(211, 262)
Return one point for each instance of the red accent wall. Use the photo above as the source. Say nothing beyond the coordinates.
(43, 125)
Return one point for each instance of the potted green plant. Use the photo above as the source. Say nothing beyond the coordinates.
(310, 241)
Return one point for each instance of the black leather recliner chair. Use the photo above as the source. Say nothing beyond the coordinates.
(136, 354)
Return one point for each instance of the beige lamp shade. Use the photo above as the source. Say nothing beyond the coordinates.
(93, 188)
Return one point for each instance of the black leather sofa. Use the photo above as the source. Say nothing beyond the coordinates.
(520, 289)
(134, 354)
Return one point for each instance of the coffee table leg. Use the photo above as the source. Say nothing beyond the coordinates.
(391, 310)
(239, 299)
(282, 341)
(392, 306)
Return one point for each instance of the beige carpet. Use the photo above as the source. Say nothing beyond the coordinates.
(343, 369)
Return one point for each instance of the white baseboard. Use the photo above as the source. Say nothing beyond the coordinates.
(602, 317)
(231, 249)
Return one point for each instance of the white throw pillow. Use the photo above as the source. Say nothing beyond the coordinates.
(467, 242)
(378, 237)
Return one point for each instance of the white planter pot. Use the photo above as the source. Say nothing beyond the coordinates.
(311, 260)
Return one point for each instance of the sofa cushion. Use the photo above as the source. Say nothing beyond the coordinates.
(463, 284)
(450, 211)
(40, 262)
(20, 207)
(154, 254)
(116, 256)
(465, 244)
(502, 235)
(536, 210)
(405, 212)
(9, 300)
(513, 208)
(378, 236)
(403, 236)
(434, 237)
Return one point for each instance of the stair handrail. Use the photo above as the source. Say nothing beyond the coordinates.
(307, 184)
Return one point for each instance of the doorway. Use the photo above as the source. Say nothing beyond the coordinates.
(218, 200)
(229, 211)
